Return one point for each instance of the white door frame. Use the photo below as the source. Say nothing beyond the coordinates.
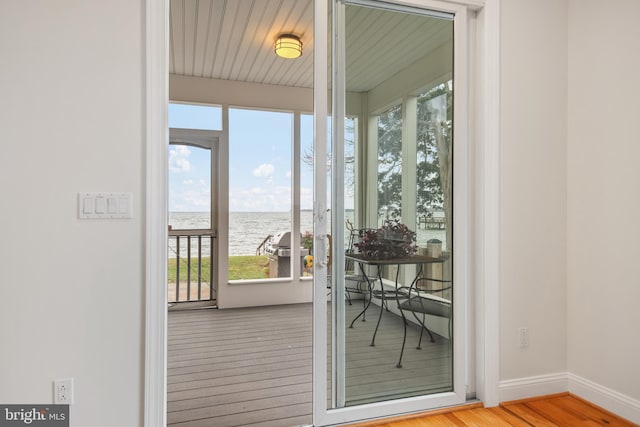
(207, 140)
(486, 127)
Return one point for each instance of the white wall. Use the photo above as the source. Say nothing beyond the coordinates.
(603, 194)
(71, 79)
(240, 94)
(533, 188)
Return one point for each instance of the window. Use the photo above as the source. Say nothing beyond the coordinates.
(260, 190)
(192, 116)
(390, 164)
(434, 167)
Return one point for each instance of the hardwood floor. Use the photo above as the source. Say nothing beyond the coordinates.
(562, 410)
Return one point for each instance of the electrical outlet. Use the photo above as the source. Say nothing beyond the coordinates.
(523, 335)
(63, 391)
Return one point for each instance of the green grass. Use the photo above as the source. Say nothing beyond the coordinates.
(240, 267)
(248, 267)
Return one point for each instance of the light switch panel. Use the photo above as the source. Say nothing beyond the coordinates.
(112, 205)
(88, 205)
(104, 205)
(123, 205)
(100, 205)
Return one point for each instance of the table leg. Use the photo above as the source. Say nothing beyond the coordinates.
(404, 320)
(364, 310)
(382, 303)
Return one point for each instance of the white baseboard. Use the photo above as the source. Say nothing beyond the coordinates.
(611, 400)
(606, 398)
(540, 385)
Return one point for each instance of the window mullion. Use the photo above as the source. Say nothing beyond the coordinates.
(295, 198)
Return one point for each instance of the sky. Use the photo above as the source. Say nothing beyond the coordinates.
(260, 164)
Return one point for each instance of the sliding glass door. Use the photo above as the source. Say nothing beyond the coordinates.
(395, 315)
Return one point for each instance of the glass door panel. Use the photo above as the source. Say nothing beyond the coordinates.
(394, 338)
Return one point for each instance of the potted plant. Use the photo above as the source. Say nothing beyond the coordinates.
(307, 241)
(392, 240)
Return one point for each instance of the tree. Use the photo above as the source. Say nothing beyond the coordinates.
(434, 156)
(390, 162)
(434, 149)
(349, 156)
(435, 130)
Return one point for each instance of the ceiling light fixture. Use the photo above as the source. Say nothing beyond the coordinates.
(288, 46)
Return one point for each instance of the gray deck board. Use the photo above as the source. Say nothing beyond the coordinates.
(239, 387)
(252, 366)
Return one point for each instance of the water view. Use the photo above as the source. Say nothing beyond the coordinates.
(247, 230)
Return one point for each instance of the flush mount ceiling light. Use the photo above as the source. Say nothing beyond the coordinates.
(288, 46)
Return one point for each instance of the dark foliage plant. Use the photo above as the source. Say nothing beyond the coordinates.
(392, 240)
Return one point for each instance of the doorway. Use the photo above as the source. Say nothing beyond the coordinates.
(369, 413)
(192, 229)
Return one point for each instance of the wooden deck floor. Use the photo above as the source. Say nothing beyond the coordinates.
(244, 367)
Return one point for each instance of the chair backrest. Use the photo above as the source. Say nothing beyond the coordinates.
(426, 301)
(430, 288)
(354, 236)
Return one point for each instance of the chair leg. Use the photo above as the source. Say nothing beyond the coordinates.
(365, 306)
(430, 334)
(423, 327)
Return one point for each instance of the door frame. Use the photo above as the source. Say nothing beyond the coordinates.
(206, 140)
(485, 125)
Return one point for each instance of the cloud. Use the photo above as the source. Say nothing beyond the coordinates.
(306, 198)
(178, 159)
(288, 174)
(190, 200)
(260, 199)
(265, 170)
(187, 182)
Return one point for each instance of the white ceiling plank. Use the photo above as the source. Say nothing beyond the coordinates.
(177, 35)
(265, 58)
(297, 23)
(214, 29)
(201, 36)
(290, 71)
(400, 40)
(260, 41)
(190, 18)
(227, 35)
(250, 38)
(240, 27)
(397, 52)
(367, 58)
(234, 40)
